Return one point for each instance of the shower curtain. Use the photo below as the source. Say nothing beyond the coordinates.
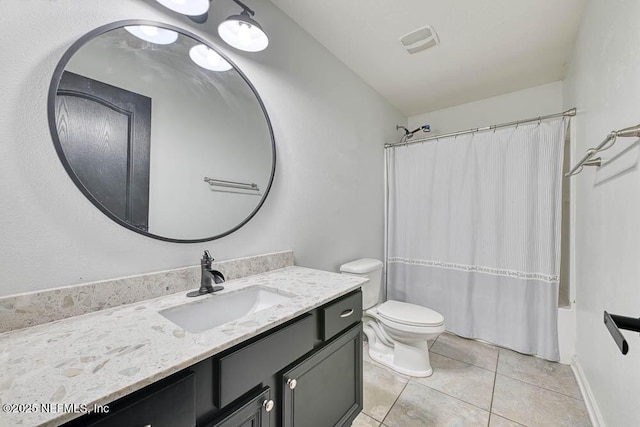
(473, 232)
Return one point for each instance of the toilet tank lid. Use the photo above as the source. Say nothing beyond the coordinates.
(361, 266)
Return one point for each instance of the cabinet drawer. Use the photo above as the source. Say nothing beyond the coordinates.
(170, 406)
(341, 314)
(245, 368)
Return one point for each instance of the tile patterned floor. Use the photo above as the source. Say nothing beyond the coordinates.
(473, 384)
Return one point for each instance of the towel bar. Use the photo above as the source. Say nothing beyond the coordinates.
(231, 184)
(614, 323)
(589, 160)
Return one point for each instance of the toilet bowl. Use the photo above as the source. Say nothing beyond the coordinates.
(397, 332)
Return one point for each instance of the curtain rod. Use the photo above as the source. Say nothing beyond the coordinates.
(568, 113)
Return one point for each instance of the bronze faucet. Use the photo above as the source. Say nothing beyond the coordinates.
(208, 276)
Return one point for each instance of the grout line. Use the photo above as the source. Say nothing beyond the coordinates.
(493, 391)
(490, 411)
(543, 388)
(506, 418)
(467, 363)
(375, 364)
(509, 419)
(581, 398)
(537, 385)
(394, 402)
(372, 417)
(468, 339)
(449, 395)
(412, 379)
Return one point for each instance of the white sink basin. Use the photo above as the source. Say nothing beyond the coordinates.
(216, 310)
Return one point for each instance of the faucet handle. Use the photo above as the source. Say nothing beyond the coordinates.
(207, 256)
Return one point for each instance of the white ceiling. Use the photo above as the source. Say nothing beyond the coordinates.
(487, 47)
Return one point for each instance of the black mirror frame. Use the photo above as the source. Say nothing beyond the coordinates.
(51, 112)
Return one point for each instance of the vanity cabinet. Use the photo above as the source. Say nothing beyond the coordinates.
(168, 403)
(239, 370)
(304, 373)
(325, 389)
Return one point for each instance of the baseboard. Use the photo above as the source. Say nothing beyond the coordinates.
(589, 399)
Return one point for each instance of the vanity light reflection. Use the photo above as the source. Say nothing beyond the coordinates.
(208, 58)
(152, 34)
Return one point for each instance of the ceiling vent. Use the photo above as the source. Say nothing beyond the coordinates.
(420, 39)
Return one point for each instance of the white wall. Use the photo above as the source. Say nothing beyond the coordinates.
(326, 203)
(523, 104)
(604, 84)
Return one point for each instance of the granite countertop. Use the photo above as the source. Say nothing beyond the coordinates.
(99, 357)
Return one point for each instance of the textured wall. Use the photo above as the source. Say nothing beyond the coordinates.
(522, 104)
(604, 84)
(327, 200)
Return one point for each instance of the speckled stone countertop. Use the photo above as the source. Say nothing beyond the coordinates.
(99, 357)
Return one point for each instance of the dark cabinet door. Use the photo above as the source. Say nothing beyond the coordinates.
(326, 389)
(251, 413)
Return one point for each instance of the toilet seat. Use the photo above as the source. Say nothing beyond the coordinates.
(409, 314)
(407, 329)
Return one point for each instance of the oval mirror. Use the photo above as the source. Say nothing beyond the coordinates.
(161, 132)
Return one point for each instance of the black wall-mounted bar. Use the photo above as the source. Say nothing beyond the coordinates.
(614, 323)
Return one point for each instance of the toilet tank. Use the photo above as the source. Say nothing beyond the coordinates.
(371, 269)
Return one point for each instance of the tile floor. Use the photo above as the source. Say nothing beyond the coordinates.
(473, 384)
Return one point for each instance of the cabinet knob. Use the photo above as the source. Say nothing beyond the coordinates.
(292, 383)
(268, 405)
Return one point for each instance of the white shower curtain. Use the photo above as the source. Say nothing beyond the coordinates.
(474, 232)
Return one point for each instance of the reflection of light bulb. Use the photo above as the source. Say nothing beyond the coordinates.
(208, 58)
(244, 33)
(178, 1)
(149, 30)
(212, 57)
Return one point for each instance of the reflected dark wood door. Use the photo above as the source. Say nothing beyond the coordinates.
(113, 168)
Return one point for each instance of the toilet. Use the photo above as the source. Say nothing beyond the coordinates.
(397, 331)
